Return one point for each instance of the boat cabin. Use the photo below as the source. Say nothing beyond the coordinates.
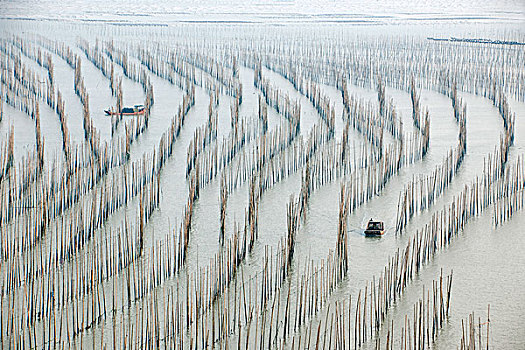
(375, 228)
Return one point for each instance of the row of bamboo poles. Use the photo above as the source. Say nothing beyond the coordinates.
(45, 60)
(290, 235)
(61, 112)
(23, 84)
(227, 77)
(6, 160)
(285, 76)
(123, 187)
(295, 78)
(419, 194)
(148, 338)
(106, 65)
(504, 146)
(147, 204)
(386, 109)
(475, 335)
(116, 118)
(96, 55)
(300, 316)
(308, 88)
(249, 226)
(292, 223)
(59, 95)
(282, 103)
(20, 83)
(251, 206)
(509, 192)
(202, 138)
(420, 117)
(132, 70)
(430, 313)
(397, 62)
(177, 66)
(422, 250)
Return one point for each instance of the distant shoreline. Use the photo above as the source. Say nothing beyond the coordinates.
(478, 41)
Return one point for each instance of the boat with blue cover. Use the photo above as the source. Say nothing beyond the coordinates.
(135, 110)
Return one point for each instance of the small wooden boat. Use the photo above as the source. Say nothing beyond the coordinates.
(135, 110)
(375, 228)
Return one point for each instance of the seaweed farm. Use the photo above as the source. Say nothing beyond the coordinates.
(207, 185)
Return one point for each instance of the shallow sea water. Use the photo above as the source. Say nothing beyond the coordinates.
(487, 262)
